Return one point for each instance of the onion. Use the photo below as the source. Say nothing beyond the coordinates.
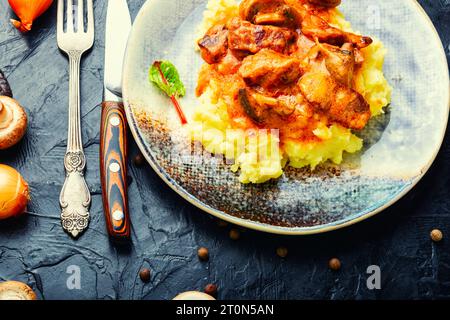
(28, 11)
(193, 295)
(14, 290)
(14, 193)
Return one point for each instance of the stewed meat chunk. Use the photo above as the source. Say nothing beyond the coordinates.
(317, 28)
(350, 108)
(261, 108)
(269, 69)
(248, 38)
(340, 103)
(214, 45)
(340, 62)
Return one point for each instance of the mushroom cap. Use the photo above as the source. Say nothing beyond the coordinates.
(14, 290)
(326, 3)
(249, 8)
(13, 122)
(5, 89)
(193, 295)
(271, 12)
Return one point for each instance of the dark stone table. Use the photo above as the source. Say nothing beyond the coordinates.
(167, 231)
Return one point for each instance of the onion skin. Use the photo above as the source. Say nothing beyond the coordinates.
(193, 295)
(14, 290)
(14, 193)
(28, 11)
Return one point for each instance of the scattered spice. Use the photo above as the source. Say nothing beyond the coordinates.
(145, 275)
(14, 195)
(436, 235)
(334, 264)
(203, 254)
(139, 160)
(235, 234)
(211, 289)
(282, 252)
(28, 11)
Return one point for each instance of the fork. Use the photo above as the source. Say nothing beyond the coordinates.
(75, 198)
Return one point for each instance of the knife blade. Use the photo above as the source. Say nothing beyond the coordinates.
(113, 132)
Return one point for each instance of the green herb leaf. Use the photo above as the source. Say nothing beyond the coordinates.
(166, 77)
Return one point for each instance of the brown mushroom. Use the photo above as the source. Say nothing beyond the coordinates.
(14, 290)
(326, 3)
(5, 89)
(340, 62)
(270, 12)
(13, 122)
(193, 295)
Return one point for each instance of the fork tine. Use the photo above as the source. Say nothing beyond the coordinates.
(69, 11)
(60, 17)
(80, 22)
(90, 17)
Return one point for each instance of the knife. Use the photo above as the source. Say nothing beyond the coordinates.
(113, 131)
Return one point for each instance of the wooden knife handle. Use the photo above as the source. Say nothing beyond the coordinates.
(113, 166)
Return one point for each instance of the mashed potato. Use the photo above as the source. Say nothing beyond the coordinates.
(257, 156)
(217, 11)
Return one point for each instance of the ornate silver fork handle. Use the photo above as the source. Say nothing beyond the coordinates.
(75, 198)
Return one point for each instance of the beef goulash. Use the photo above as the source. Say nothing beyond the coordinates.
(284, 64)
(289, 73)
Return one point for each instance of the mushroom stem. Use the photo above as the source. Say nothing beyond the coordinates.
(13, 122)
(5, 116)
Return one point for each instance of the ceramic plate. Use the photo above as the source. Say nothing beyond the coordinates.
(400, 145)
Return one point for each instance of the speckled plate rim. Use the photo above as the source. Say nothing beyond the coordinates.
(271, 228)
